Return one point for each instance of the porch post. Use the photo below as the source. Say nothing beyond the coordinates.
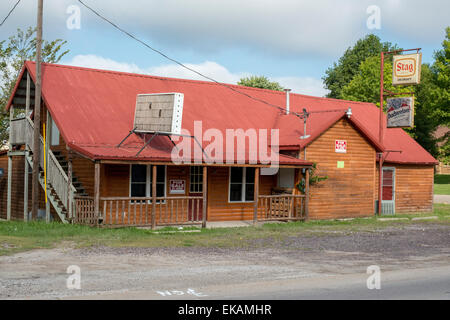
(47, 148)
(8, 207)
(97, 190)
(307, 193)
(27, 97)
(69, 184)
(256, 194)
(25, 190)
(154, 176)
(27, 178)
(205, 195)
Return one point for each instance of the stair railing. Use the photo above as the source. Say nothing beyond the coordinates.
(57, 178)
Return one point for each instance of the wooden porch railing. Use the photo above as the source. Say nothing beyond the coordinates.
(17, 131)
(129, 211)
(281, 207)
(84, 211)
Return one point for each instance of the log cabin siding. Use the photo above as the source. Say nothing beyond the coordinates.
(219, 208)
(17, 188)
(348, 191)
(413, 187)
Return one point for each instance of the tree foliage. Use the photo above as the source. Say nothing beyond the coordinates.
(13, 53)
(261, 82)
(342, 72)
(440, 93)
(431, 95)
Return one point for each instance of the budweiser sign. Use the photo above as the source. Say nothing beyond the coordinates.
(400, 112)
(406, 69)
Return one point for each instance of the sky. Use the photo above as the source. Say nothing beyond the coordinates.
(289, 41)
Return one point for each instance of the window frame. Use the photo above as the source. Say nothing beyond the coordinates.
(148, 182)
(54, 132)
(200, 182)
(244, 183)
(393, 183)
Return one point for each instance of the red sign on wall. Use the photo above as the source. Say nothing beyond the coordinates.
(177, 186)
(340, 146)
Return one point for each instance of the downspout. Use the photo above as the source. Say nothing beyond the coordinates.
(380, 181)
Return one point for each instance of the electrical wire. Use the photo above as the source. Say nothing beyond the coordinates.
(9, 13)
(300, 115)
(179, 63)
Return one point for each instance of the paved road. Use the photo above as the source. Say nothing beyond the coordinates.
(441, 198)
(410, 284)
(428, 283)
(414, 260)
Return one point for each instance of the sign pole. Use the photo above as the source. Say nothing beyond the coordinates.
(380, 132)
(381, 122)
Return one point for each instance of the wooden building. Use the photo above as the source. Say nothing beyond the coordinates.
(95, 176)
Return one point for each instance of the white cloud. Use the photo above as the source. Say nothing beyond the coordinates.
(303, 85)
(287, 27)
(94, 61)
(208, 68)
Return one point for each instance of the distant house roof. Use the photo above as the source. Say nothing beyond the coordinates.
(439, 133)
(94, 110)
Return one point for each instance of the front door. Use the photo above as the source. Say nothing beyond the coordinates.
(195, 190)
(388, 191)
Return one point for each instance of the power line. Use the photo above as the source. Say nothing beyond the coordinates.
(181, 64)
(9, 13)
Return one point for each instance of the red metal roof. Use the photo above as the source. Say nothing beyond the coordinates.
(94, 110)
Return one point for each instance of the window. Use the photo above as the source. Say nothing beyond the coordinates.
(388, 184)
(196, 179)
(242, 184)
(286, 177)
(54, 133)
(141, 181)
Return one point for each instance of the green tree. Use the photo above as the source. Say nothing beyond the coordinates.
(365, 85)
(13, 53)
(261, 82)
(342, 72)
(439, 94)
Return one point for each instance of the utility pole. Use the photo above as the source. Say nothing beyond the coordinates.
(37, 115)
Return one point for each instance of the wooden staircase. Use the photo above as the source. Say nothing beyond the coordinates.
(75, 181)
(59, 192)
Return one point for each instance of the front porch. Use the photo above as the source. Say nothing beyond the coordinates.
(212, 199)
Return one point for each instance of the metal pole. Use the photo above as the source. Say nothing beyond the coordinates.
(256, 196)
(37, 114)
(205, 196)
(380, 181)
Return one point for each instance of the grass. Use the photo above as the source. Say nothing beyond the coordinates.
(18, 236)
(442, 184)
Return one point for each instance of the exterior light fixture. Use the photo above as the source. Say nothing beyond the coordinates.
(349, 112)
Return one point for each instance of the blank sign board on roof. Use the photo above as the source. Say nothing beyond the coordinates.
(159, 112)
